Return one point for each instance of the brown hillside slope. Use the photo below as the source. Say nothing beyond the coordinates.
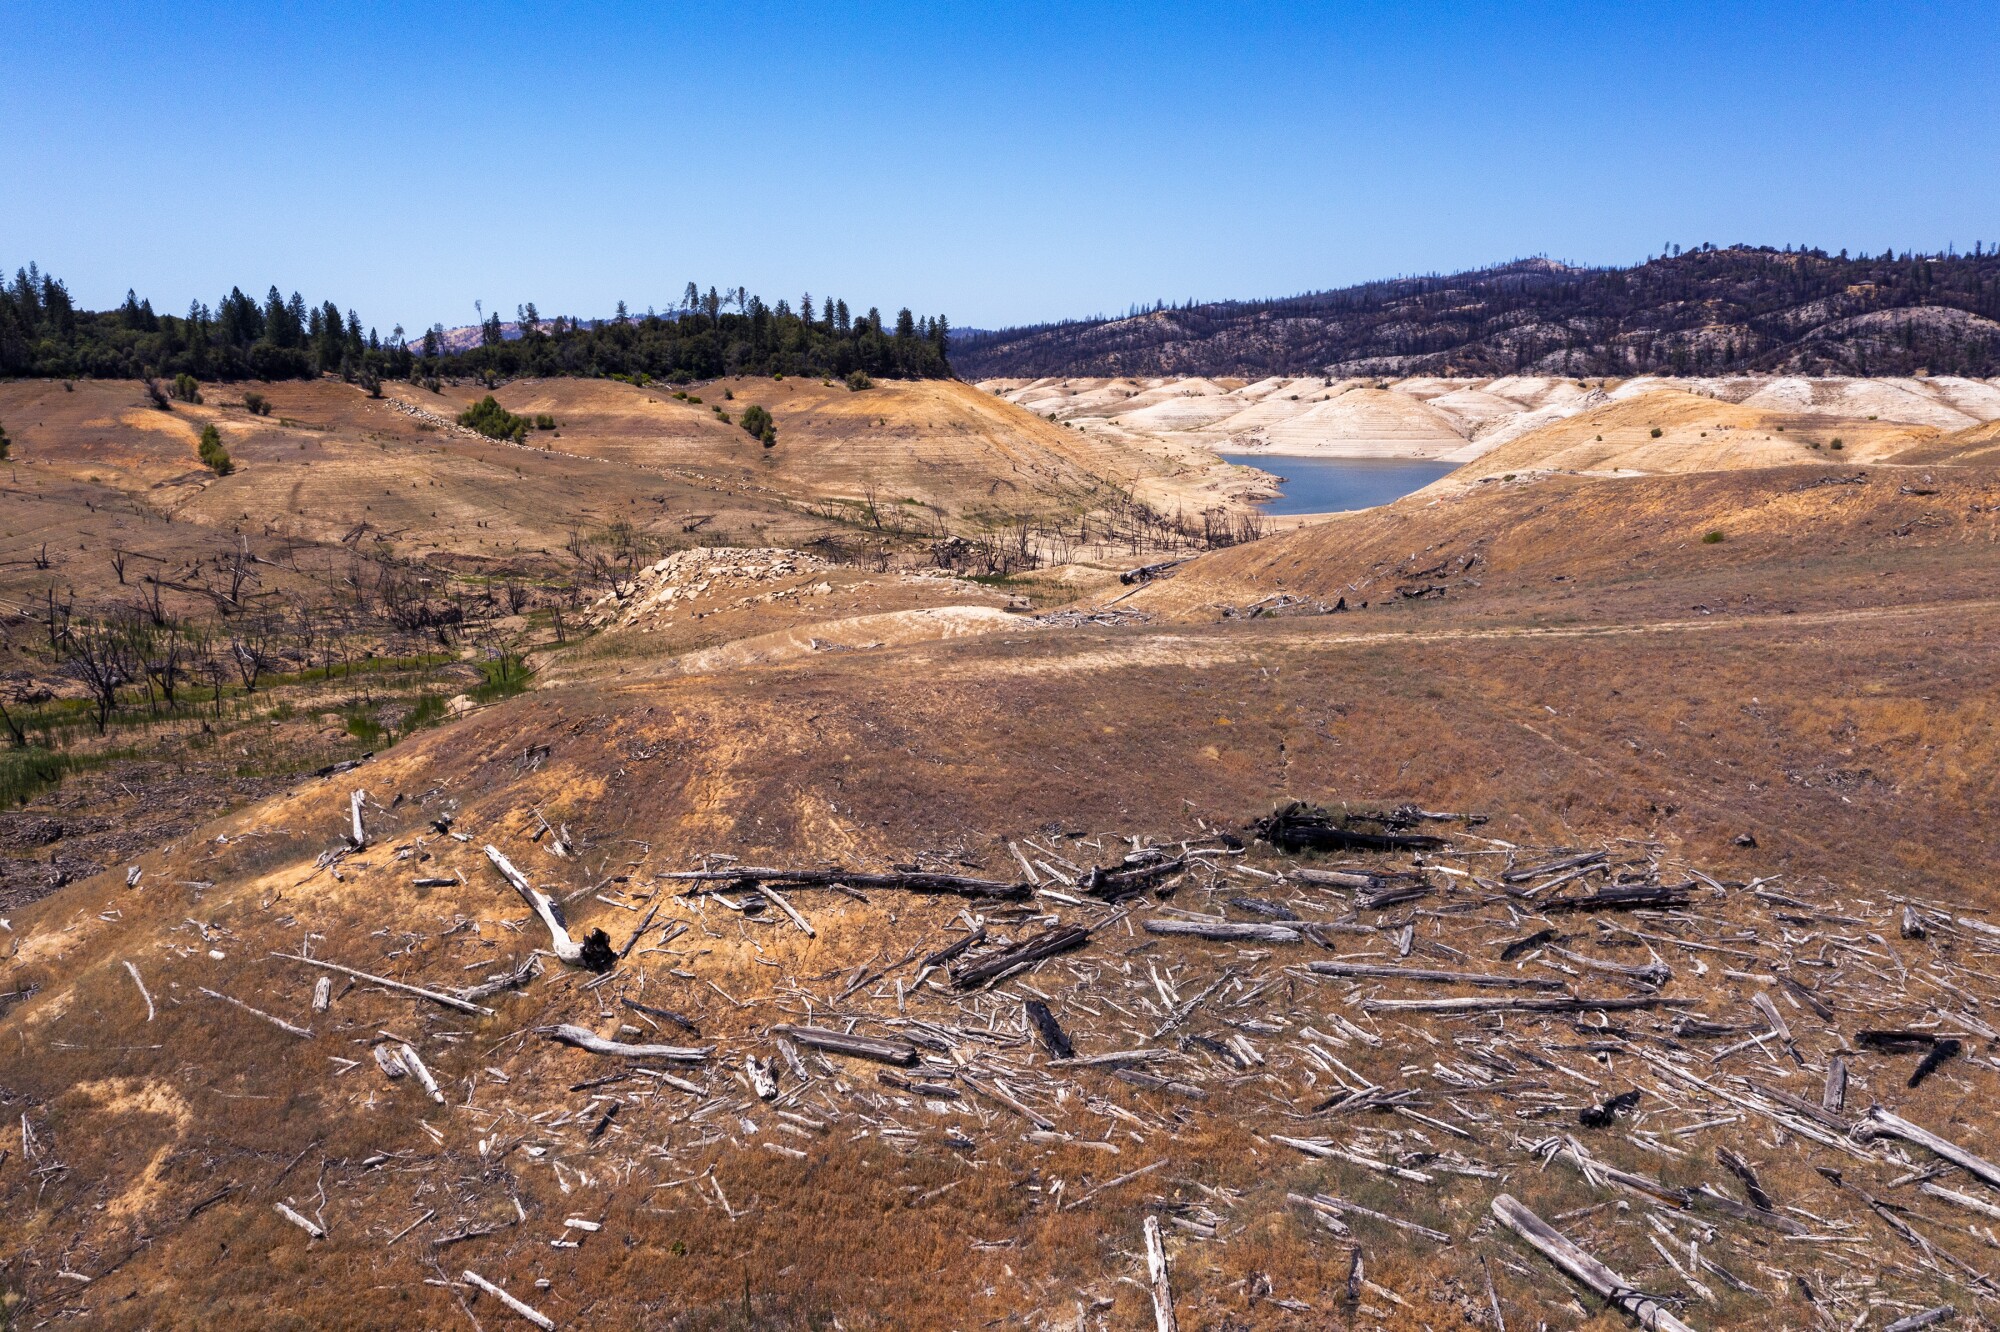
(1846, 749)
(1559, 549)
(936, 443)
(1976, 444)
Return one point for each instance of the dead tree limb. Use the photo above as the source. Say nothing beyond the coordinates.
(435, 996)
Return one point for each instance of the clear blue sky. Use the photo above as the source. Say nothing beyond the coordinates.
(998, 163)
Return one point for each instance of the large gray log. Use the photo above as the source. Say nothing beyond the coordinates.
(841, 1042)
(1554, 1246)
(1224, 930)
(1385, 970)
(560, 943)
(1479, 1005)
(1879, 1120)
(1156, 1277)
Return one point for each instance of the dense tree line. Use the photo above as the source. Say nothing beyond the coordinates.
(1702, 311)
(42, 333)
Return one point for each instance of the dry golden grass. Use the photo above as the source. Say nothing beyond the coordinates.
(1851, 739)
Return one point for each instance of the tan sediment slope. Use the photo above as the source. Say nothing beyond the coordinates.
(1461, 420)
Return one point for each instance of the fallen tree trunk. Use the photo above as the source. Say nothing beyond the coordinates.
(1156, 1278)
(1048, 943)
(1623, 897)
(594, 953)
(841, 1042)
(914, 882)
(585, 1039)
(1387, 971)
(435, 996)
(1224, 930)
(1477, 1005)
(1881, 1121)
(535, 1316)
(1554, 1246)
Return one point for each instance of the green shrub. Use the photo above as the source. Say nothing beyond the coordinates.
(729, 395)
(1656, 432)
(1711, 538)
(543, 421)
(257, 404)
(858, 381)
(6, 444)
(1836, 444)
(492, 420)
(757, 423)
(213, 456)
(187, 388)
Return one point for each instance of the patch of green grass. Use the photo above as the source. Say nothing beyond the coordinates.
(502, 677)
(1712, 538)
(26, 773)
(361, 724)
(428, 712)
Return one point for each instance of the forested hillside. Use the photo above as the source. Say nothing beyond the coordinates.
(42, 333)
(1705, 311)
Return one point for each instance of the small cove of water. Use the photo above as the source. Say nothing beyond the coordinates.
(1333, 485)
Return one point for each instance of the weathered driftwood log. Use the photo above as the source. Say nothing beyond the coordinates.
(1480, 1005)
(841, 1042)
(1833, 1097)
(305, 1032)
(1652, 975)
(1554, 1246)
(1553, 867)
(1326, 1204)
(1715, 1201)
(435, 996)
(1048, 943)
(594, 953)
(1258, 906)
(1624, 897)
(1156, 1278)
(1334, 878)
(1145, 573)
(1880, 1121)
(1928, 1318)
(535, 1316)
(1389, 971)
(305, 1223)
(1224, 930)
(421, 1072)
(1114, 884)
(908, 881)
(1390, 894)
(531, 967)
(142, 990)
(585, 1039)
(772, 896)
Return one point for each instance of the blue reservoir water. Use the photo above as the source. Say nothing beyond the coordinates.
(1331, 485)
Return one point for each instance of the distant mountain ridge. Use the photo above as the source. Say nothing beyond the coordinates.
(1703, 312)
